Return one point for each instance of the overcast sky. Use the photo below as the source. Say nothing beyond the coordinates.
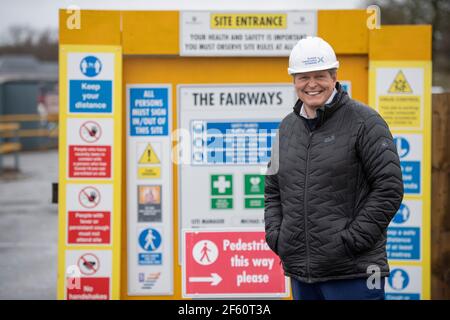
(44, 13)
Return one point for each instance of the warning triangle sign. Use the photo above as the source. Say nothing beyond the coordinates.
(149, 156)
(400, 84)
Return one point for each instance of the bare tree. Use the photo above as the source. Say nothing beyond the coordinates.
(43, 44)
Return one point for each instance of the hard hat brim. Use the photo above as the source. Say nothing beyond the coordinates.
(334, 65)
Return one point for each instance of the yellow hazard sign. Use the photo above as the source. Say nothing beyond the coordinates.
(149, 156)
(400, 84)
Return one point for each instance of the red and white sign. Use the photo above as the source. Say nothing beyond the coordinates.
(87, 289)
(90, 162)
(89, 227)
(89, 148)
(93, 279)
(89, 214)
(230, 264)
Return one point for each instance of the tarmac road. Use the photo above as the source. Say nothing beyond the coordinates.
(29, 228)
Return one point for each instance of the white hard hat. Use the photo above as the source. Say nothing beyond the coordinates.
(312, 54)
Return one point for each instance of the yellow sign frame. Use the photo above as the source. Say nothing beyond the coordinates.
(116, 159)
(425, 131)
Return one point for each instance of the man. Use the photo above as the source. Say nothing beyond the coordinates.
(333, 185)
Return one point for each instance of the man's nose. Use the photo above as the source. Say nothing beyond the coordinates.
(311, 83)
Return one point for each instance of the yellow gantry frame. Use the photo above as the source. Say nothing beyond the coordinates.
(150, 48)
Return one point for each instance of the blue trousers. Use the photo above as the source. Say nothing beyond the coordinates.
(353, 289)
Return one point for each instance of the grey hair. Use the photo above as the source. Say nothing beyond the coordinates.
(332, 72)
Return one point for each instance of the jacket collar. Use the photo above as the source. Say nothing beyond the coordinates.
(327, 110)
(303, 111)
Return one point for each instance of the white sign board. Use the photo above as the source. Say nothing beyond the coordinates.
(227, 134)
(149, 190)
(244, 33)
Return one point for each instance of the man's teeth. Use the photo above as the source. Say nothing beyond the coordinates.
(313, 93)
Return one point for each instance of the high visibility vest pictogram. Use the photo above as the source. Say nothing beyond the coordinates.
(400, 84)
(149, 156)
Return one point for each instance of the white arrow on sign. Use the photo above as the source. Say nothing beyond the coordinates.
(215, 279)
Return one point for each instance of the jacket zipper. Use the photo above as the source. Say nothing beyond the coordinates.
(305, 208)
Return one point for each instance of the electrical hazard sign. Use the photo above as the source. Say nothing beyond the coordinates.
(230, 264)
(400, 84)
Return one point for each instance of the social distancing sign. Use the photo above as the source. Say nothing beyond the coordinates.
(90, 148)
(89, 215)
(94, 279)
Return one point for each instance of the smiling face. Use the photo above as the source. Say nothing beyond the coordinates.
(315, 87)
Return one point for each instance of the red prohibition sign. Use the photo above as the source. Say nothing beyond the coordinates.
(89, 197)
(90, 131)
(88, 264)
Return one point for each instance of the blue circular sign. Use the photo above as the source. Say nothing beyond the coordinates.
(402, 214)
(399, 279)
(90, 66)
(150, 239)
(402, 146)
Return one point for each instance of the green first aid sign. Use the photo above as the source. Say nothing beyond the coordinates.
(254, 184)
(221, 185)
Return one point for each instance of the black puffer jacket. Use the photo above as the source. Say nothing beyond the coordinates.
(330, 194)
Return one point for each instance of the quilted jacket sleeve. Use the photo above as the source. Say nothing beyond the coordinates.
(272, 201)
(381, 165)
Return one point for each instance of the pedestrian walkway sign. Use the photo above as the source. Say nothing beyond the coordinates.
(150, 239)
(226, 263)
